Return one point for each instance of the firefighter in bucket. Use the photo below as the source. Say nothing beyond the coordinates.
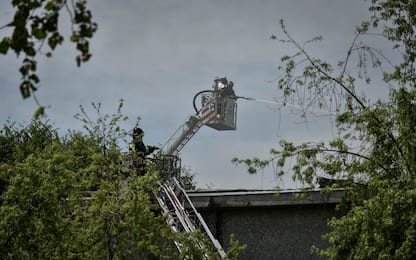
(138, 151)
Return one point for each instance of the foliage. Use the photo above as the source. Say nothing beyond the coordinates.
(35, 24)
(374, 151)
(398, 19)
(73, 197)
(235, 248)
(187, 179)
(105, 129)
(68, 199)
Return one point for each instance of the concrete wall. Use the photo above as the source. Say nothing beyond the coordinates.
(273, 227)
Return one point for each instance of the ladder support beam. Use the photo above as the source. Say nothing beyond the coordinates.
(172, 198)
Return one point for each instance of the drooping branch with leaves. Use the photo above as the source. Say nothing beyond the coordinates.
(36, 23)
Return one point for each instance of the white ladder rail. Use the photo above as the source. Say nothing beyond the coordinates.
(172, 199)
(182, 136)
(200, 222)
(178, 219)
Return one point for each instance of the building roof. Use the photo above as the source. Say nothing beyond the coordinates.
(261, 198)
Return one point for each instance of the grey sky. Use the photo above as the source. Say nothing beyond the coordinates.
(157, 55)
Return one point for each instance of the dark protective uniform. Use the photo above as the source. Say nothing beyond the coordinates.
(139, 151)
(228, 91)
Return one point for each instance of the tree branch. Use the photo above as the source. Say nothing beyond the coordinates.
(340, 83)
(329, 150)
(348, 55)
(318, 68)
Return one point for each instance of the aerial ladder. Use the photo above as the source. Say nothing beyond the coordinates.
(218, 111)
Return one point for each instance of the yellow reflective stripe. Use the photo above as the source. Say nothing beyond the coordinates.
(132, 147)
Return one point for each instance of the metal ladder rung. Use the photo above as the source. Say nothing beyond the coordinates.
(188, 219)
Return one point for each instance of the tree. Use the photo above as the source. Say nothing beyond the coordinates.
(374, 151)
(73, 197)
(68, 199)
(35, 23)
(187, 179)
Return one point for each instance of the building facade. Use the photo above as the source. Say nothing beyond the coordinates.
(272, 226)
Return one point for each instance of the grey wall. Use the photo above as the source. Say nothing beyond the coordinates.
(272, 233)
(276, 231)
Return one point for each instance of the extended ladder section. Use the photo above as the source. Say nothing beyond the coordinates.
(182, 215)
(184, 133)
(218, 111)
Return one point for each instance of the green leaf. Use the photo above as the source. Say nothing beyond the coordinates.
(5, 45)
(39, 112)
(74, 37)
(30, 51)
(54, 40)
(78, 60)
(34, 78)
(50, 5)
(25, 87)
(39, 33)
(24, 70)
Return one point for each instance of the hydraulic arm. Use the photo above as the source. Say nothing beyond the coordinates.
(218, 110)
